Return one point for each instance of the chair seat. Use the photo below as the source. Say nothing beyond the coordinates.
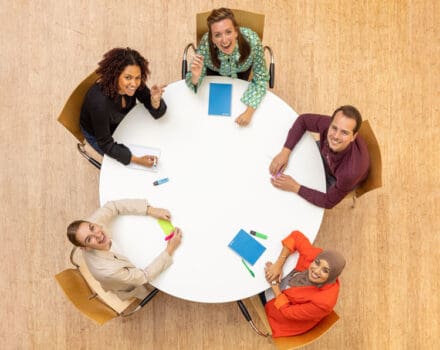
(300, 340)
(297, 341)
(79, 293)
(109, 298)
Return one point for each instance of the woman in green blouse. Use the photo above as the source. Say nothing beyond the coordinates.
(232, 51)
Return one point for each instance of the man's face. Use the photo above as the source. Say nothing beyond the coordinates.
(92, 236)
(340, 133)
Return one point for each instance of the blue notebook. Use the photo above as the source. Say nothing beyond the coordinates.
(220, 96)
(247, 247)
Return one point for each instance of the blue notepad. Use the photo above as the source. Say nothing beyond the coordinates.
(247, 247)
(220, 96)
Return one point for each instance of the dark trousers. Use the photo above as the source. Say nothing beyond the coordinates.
(330, 180)
(241, 75)
(91, 140)
(262, 298)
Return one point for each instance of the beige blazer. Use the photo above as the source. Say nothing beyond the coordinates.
(114, 271)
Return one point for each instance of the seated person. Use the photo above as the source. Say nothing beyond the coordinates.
(113, 270)
(122, 77)
(232, 51)
(344, 153)
(307, 294)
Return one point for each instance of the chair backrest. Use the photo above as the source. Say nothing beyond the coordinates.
(252, 20)
(107, 297)
(297, 341)
(70, 114)
(79, 293)
(374, 179)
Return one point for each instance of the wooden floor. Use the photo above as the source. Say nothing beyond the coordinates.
(381, 56)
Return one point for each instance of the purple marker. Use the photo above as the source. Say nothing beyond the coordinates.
(276, 176)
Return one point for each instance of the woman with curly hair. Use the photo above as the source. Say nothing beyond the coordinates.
(233, 51)
(122, 76)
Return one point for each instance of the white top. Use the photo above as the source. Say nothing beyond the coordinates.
(219, 183)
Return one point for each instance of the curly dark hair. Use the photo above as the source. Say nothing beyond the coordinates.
(218, 15)
(112, 65)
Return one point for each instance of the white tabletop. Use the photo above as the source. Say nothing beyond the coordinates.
(219, 184)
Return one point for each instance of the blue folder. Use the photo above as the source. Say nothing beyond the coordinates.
(247, 247)
(220, 96)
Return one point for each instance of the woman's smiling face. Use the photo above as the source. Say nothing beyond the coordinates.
(318, 271)
(224, 35)
(129, 80)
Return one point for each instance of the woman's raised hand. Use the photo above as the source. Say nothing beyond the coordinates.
(196, 68)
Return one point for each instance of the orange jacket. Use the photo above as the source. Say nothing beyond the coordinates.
(299, 309)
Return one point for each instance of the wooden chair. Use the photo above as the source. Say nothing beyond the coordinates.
(297, 341)
(254, 21)
(88, 296)
(374, 179)
(69, 117)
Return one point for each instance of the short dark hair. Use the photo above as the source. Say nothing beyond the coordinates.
(113, 63)
(352, 113)
(71, 232)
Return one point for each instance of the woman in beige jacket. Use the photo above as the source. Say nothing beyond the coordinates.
(113, 270)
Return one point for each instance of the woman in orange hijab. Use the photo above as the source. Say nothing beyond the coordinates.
(307, 294)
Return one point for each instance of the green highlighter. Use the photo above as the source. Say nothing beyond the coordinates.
(248, 268)
(166, 226)
(258, 234)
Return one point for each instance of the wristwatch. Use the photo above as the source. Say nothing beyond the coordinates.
(274, 283)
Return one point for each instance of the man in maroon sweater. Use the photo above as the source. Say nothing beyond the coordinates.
(345, 155)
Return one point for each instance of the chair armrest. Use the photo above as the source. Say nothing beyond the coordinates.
(185, 61)
(271, 67)
(142, 303)
(84, 153)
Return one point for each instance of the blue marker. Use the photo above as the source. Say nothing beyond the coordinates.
(161, 181)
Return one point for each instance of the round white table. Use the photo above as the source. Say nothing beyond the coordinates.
(219, 183)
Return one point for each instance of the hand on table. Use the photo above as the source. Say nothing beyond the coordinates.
(159, 213)
(174, 242)
(285, 183)
(147, 160)
(273, 272)
(279, 162)
(245, 118)
(196, 68)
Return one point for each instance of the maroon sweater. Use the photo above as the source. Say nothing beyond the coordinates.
(349, 167)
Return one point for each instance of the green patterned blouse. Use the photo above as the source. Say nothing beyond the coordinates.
(229, 66)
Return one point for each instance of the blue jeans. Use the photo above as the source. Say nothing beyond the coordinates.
(92, 141)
